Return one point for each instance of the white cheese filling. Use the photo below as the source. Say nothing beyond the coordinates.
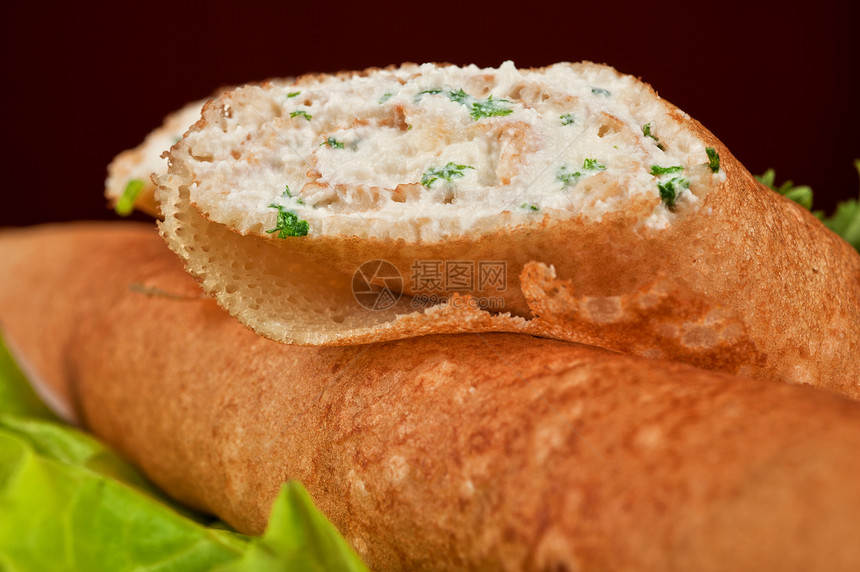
(428, 151)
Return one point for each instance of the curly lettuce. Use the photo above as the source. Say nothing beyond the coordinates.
(68, 502)
(845, 220)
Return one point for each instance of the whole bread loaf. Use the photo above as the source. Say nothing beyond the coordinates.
(569, 202)
(482, 451)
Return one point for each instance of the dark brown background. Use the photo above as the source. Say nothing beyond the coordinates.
(779, 85)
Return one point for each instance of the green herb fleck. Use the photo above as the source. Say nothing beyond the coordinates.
(289, 195)
(657, 170)
(301, 113)
(600, 91)
(566, 119)
(669, 189)
(288, 223)
(529, 207)
(176, 140)
(385, 97)
(713, 159)
(293, 94)
(449, 172)
(459, 96)
(333, 143)
(568, 177)
(428, 92)
(593, 165)
(490, 108)
(646, 131)
(125, 204)
(478, 109)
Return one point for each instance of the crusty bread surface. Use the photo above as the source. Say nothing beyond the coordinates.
(481, 451)
(557, 188)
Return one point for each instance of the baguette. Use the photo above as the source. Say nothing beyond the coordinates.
(482, 451)
(593, 195)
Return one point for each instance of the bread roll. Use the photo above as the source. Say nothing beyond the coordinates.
(557, 202)
(483, 451)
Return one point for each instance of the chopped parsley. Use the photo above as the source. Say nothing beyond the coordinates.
(646, 131)
(490, 108)
(288, 194)
(288, 223)
(568, 177)
(600, 91)
(566, 119)
(458, 96)
(669, 189)
(657, 170)
(593, 165)
(713, 159)
(449, 172)
(385, 97)
(333, 143)
(301, 113)
(125, 204)
(293, 94)
(478, 108)
(427, 92)
(530, 207)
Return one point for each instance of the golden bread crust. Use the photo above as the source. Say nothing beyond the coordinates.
(492, 451)
(789, 284)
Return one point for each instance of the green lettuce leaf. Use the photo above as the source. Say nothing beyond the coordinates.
(845, 220)
(298, 538)
(801, 194)
(16, 395)
(68, 502)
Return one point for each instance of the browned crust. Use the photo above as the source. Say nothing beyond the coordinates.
(792, 284)
(489, 451)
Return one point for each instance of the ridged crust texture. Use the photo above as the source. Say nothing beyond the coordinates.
(481, 451)
(778, 294)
